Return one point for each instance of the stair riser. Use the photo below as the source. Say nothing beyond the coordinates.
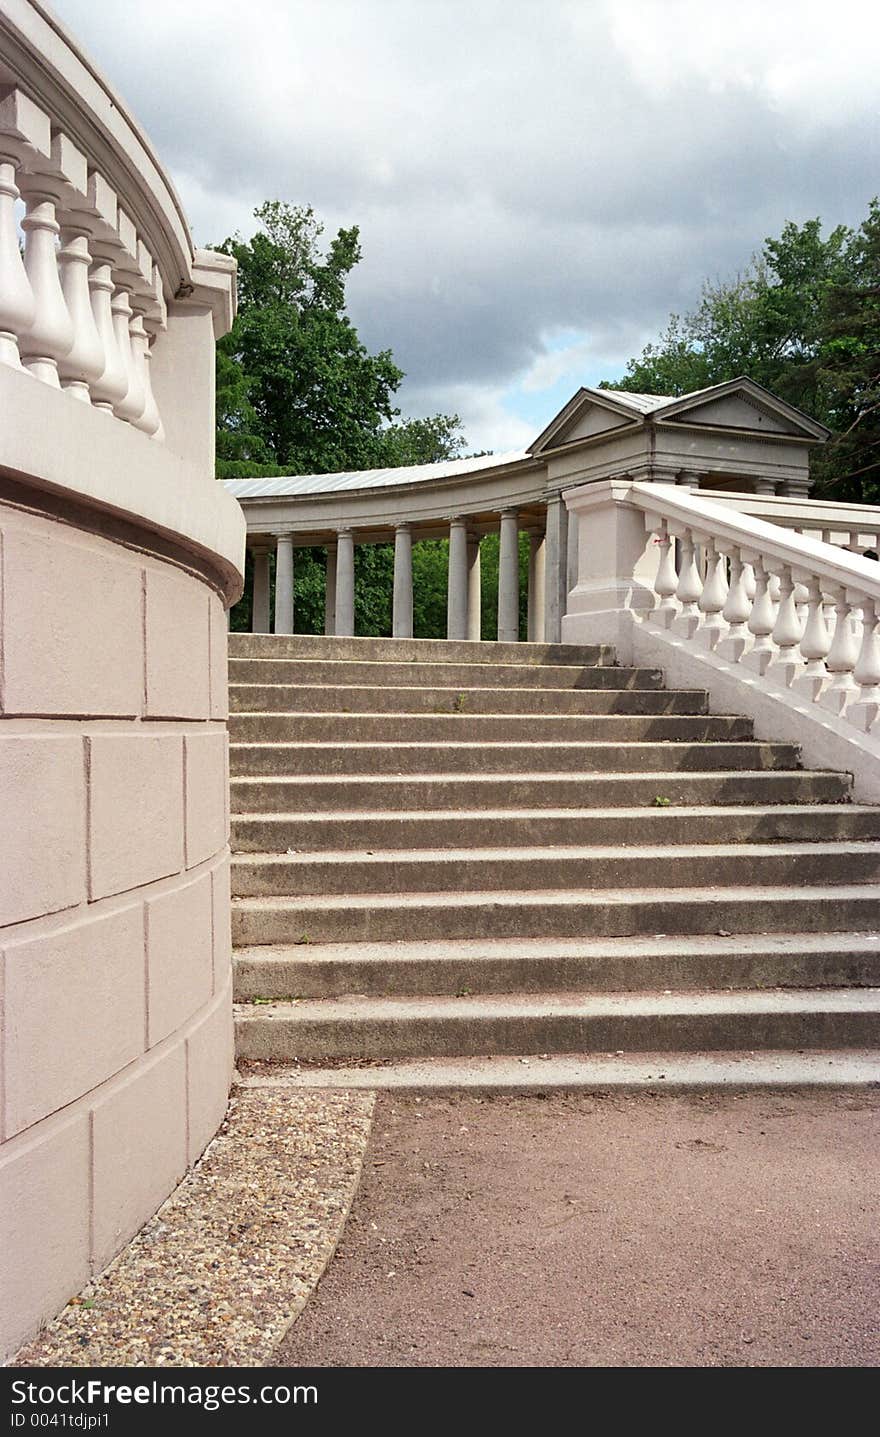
(525, 918)
(407, 651)
(284, 698)
(299, 758)
(282, 1039)
(540, 791)
(282, 878)
(457, 676)
(652, 825)
(486, 728)
(311, 977)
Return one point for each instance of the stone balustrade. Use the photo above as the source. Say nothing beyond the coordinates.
(774, 620)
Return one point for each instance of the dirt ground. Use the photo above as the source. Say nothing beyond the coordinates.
(578, 1231)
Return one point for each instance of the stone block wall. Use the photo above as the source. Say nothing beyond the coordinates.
(114, 902)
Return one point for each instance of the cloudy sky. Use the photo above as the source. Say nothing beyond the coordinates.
(538, 183)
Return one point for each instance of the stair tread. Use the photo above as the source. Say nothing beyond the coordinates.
(435, 745)
(407, 1008)
(453, 815)
(670, 1071)
(682, 945)
(561, 896)
(377, 857)
(538, 776)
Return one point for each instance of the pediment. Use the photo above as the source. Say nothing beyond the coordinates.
(741, 405)
(584, 417)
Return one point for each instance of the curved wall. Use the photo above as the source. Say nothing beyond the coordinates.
(114, 899)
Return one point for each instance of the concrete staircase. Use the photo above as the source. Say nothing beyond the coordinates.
(503, 865)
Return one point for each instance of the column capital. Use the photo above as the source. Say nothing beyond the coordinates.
(403, 527)
(509, 513)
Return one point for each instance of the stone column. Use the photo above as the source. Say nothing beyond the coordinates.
(571, 550)
(330, 591)
(284, 584)
(555, 566)
(687, 479)
(537, 581)
(260, 607)
(402, 616)
(345, 582)
(457, 590)
(474, 594)
(508, 578)
(796, 488)
(764, 486)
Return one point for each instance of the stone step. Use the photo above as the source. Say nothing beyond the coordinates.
(577, 913)
(333, 673)
(487, 728)
(440, 793)
(459, 758)
(331, 970)
(406, 1028)
(367, 698)
(477, 870)
(407, 651)
(849, 1069)
(310, 832)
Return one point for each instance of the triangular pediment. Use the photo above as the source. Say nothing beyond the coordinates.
(588, 414)
(741, 406)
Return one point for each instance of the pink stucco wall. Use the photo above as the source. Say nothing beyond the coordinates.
(114, 897)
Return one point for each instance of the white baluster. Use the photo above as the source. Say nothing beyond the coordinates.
(16, 299)
(112, 384)
(84, 362)
(131, 405)
(49, 336)
(787, 632)
(736, 610)
(666, 582)
(815, 644)
(690, 587)
(761, 622)
(713, 597)
(148, 420)
(842, 689)
(864, 711)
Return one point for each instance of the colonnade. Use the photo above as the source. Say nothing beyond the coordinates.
(551, 572)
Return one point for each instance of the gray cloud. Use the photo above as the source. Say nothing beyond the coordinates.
(521, 170)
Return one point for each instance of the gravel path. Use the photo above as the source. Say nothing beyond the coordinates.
(215, 1278)
(582, 1231)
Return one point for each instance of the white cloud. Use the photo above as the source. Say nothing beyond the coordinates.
(518, 170)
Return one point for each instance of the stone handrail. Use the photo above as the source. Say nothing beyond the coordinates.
(794, 615)
(84, 300)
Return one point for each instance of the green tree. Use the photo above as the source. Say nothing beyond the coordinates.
(297, 391)
(850, 366)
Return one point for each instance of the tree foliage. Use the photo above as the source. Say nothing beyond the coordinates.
(297, 391)
(802, 320)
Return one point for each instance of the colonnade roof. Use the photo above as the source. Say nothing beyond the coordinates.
(292, 484)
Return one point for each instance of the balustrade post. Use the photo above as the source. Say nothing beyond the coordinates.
(84, 362)
(330, 591)
(864, 711)
(131, 405)
(508, 578)
(762, 621)
(786, 663)
(714, 597)
(111, 385)
(402, 614)
(284, 584)
(457, 586)
(737, 608)
(345, 583)
(474, 592)
(690, 587)
(537, 550)
(260, 606)
(815, 644)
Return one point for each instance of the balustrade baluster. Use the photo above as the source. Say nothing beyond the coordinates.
(49, 336)
(666, 582)
(866, 673)
(815, 644)
(737, 608)
(148, 419)
(787, 633)
(83, 364)
(131, 405)
(841, 660)
(762, 620)
(17, 305)
(690, 587)
(714, 596)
